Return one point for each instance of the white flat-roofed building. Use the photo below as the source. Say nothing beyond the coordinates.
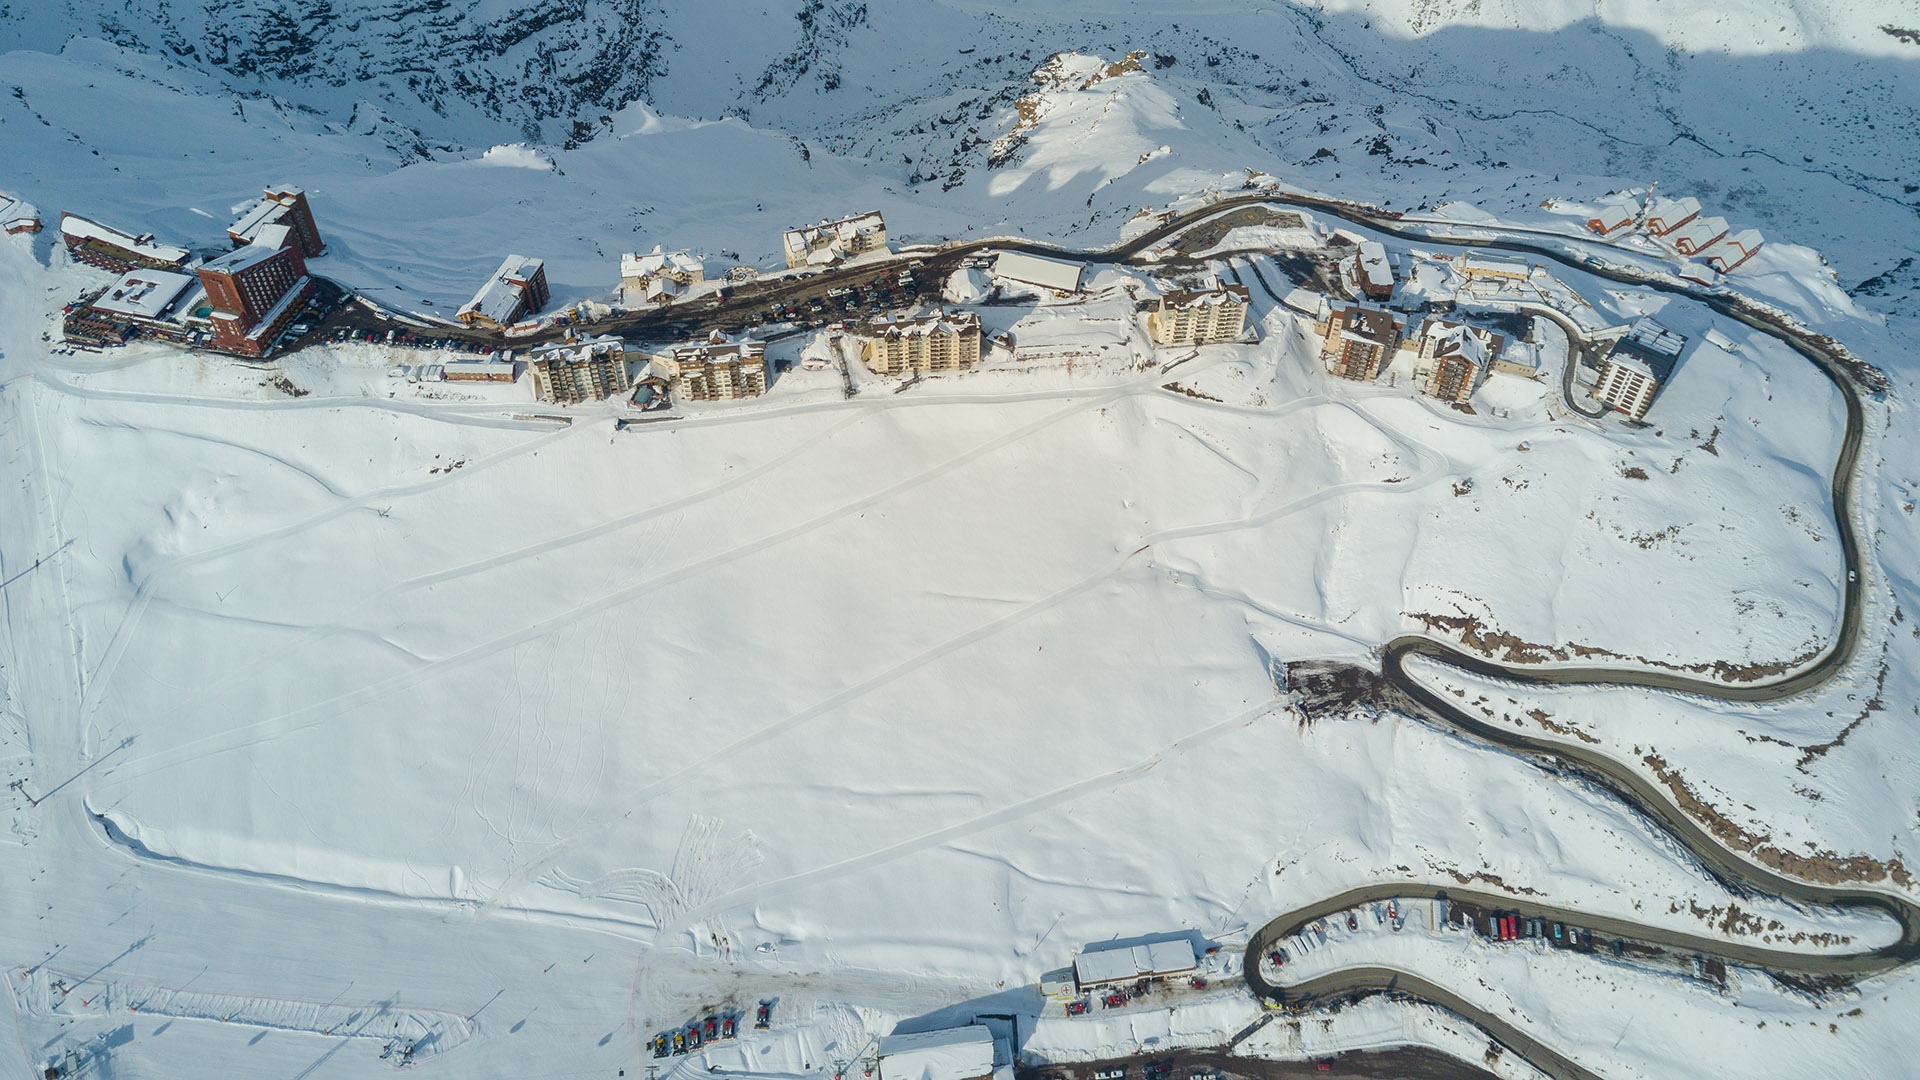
(479, 370)
(1054, 275)
(1131, 963)
(959, 1053)
(831, 241)
(144, 294)
(1480, 267)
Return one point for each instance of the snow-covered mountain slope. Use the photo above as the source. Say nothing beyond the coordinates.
(1797, 117)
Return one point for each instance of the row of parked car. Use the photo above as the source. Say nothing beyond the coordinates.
(410, 341)
(1513, 926)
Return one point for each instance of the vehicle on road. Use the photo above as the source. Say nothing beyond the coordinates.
(1111, 1074)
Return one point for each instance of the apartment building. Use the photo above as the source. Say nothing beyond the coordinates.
(1360, 341)
(110, 249)
(1199, 316)
(924, 345)
(517, 289)
(1478, 267)
(831, 241)
(568, 373)
(659, 276)
(255, 292)
(1452, 358)
(1640, 363)
(1372, 271)
(281, 205)
(717, 369)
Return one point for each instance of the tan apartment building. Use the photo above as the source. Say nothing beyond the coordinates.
(1360, 341)
(716, 369)
(1200, 316)
(659, 276)
(1452, 358)
(570, 373)
(831, 241)
(931, 343)
(1478, 267)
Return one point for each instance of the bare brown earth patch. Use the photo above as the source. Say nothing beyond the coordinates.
(1500, 645)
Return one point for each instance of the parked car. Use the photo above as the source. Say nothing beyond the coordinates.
(679, 1042)
(1278, 958)
(1353, 921)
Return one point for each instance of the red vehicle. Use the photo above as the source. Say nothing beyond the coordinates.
(713, 1029)
(1115, 999)
(727, 1027)
(1197, 983)
(1077, 1008)
(1513, 927)
(1277, 958)
(693, 1036)
(1353, 921)
(764, 1018)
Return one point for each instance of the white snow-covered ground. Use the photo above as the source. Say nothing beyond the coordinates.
(378, 714)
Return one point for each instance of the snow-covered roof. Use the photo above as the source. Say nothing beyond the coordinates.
(258, 215)
(1721, 341)
(1475, 263)
(1374, 266)
(1613, 215)
(500, 298)
(1649, 348)
(1034, 270)
(1470, 343)
(1699, 232)
(961, 1053)
(15, 209)
(1671, 210)
(657, 261)
(1747, 240)
(144, 294)
(1126, 963)
(273, 236)
(242, 258)
(478, 367)
(1186, 298)
(1652, 336)
(81, 228)
(569, 350)
(846, 228)
(717, 349)
(939, 322)
(1370, 325)
(1633, 364)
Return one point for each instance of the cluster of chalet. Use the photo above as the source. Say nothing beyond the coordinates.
(1681, 225)
(830, 242)
(516, 290)
(925, 345)
(659, 277)
(237, 303)
(1200, 316)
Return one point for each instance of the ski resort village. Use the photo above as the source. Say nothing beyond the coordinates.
(822, 540)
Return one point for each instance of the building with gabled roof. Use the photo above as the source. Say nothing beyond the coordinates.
(1131, 963)
(110, 249)
(1360, 341)
(281, 206)
(17, 215)
(1200, 316)
(831, 241)
(1613, 217)
(1453, 357)
(1697, 235)
(517, 289)
(1733, 249)
(659, 276)
(925, 345)
(1665, 215)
